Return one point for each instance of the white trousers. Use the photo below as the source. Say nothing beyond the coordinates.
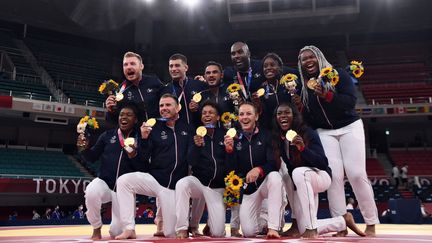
(304, 200)
(197, 209)
(97, 192)
(263, 217)
(128, 185)
(190, 187)
(346, 152)
(272, 189)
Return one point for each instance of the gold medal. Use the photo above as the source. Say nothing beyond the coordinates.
(290, 135)
(311, 83)
(260, 92)
(129, 141)
(151, 122)
(197, 97)
(201, 131)
(231, 132)
(119, 97)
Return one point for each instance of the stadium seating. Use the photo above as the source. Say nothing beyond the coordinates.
(27, 84)
(374, 168)
(19, 89)
(30, 163)
(77, 71)
(418, 161)
(394, 74)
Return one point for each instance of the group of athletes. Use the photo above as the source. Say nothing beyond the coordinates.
(287, 143)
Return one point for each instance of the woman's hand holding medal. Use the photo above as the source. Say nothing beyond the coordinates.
(295, 139)
(229, 140)
(199, 137)
(130, 147)
(320, 91)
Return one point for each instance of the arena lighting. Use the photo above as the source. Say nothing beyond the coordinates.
(148, 1)
(191, 3)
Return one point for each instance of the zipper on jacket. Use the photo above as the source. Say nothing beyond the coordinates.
(142, 98)
(325, 115)
(214, 161)
(118, 169)
(176, 157)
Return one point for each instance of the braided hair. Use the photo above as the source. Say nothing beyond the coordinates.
(322, 63)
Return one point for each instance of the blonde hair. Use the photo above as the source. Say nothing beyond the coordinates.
(133, 54)
(322, 63)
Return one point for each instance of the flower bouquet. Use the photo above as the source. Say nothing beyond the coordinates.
(328, 78)
(86, 125)
(233, 189)
(289, 82)
(356, 68)
(233, 92)
(227, 118)
(108, 87)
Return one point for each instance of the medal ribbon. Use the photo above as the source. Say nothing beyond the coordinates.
(123, 87)
(245, 90)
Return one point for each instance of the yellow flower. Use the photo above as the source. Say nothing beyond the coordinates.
(334, 81)
(226, 117)
(95, 123)
(231, 174)
(236, 194)
(91, 122)
(236, 183)
(356, 63)
(333, 76)
(226, 193)
(288, 78)
(357, 69)
(108, 87)
(102, 88)
(84, 119)
(113, 83)
(358, 73)
(233, 88)
(325, 71)
(233, 117)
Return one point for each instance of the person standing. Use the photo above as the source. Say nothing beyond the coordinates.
(330, 109)
(404, 176)
(217, 91)
(184, 88)
(245, 71)
(78, 213)
(396, 175)
(275, 93)
(144, 90)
